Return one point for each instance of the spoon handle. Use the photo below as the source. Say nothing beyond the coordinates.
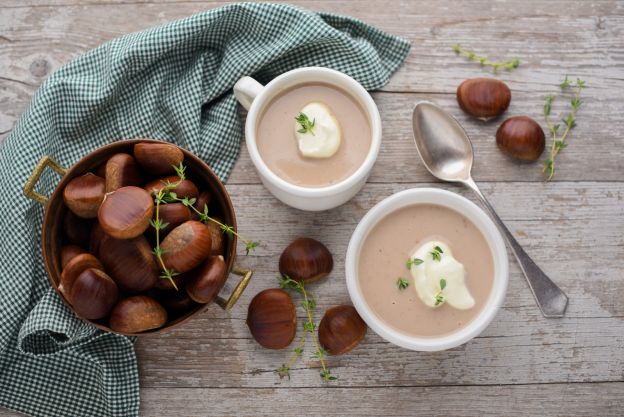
(550, 299)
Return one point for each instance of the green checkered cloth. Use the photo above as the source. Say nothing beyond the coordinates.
(172, 82)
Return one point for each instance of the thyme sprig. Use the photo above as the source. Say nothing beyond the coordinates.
(483, 61)
(413, 262)
(309, 327)
(436, 253)
(166, 195)
(402, 283)
(439, 297)
(569, 121)
(306, 124)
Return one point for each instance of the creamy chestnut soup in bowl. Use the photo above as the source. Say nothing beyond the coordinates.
(427, 269)
(313, 135)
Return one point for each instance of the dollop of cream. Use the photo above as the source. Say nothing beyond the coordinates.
(324, 139)
(428, 275)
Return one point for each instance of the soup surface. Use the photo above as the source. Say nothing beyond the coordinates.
(278, 147)
(392, 241)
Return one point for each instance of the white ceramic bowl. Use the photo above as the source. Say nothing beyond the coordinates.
(254, 97)
(478, 218)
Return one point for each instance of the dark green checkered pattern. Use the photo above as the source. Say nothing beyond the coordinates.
(172, 82)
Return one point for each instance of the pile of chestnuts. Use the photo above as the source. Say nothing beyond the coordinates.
(272, 318)
(519, 136)
(110, 272)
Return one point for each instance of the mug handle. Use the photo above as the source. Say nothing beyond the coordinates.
(31, 182)
(245, 90)
(240, 287)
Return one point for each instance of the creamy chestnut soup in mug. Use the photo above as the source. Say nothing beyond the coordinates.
(425, 270)
(313, 135)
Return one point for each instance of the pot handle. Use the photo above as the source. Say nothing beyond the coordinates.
(240, 287)
(31, 182)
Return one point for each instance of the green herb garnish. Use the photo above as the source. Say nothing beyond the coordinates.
(435, 254)
(413, 262)
(509, 65)
(439, 298)
(309, 327)
(402, 283)
(558, 142)
(306, 124)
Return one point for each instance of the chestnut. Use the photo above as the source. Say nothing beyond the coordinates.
(69, 252)
(83, 195)
(306, 259)
(483, 97)
(341, 329)
(75, 267)
(207, 280)
(97, 234)
(186, 246)
(176, 300)
(217, 238)
(272, 319)
(137, 314)
(93, 294)
(126, 212)
(521, 137)
(203, 200)
(76, 230)
(129, 262)
(121, 171)
(158, 158)
(185, 188)
(173, 213)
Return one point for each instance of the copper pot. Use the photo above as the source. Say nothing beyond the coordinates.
(55, 209)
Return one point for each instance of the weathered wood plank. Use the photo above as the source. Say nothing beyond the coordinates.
(581, 247)
(571, 400)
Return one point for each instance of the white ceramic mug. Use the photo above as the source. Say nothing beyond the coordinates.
(254, 97)
(473, 213)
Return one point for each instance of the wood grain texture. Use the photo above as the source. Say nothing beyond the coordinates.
(523, 364)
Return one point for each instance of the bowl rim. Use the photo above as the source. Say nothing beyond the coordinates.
(475, 215)
(77, 169)
(320, 75)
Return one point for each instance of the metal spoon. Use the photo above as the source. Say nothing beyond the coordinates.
(447, 153)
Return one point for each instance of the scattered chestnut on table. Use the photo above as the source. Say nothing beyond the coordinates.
(272, 319)
(83, 195)
(341, 329)
(483, 97)
(306, 259)
(521, 137)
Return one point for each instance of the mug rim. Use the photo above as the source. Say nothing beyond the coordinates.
(476, 216)
(362, 96)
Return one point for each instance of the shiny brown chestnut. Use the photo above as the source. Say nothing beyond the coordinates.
(174, 214)
(341, 329)
(184, 188)
(74, 268)
(93, 294)
(272, 319)
(483, 97)
(203, 200)
(83, 195)
(186, 246)
(137, 314)
(76, 230)
(68, 252)
(158, 158)
(129, 262)
(97, 234)
(121, 171)
(306, 259)
(521, 137)
(126, 212)
(176, 301)
(207, 280)
(217, 238)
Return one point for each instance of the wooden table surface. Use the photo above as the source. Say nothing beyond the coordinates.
(523, 364)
